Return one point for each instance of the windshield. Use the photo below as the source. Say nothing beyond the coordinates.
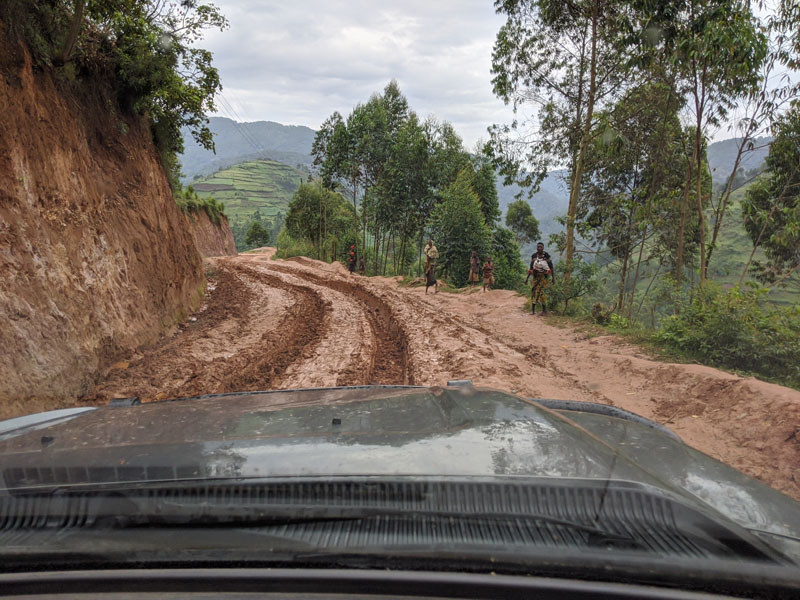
(514, 282)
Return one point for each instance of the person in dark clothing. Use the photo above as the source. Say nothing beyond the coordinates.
(361, 266)
(474, 268)
(488, 273)
(351, 259)
(541, 266)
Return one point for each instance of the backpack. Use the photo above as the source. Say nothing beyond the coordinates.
(540, 264)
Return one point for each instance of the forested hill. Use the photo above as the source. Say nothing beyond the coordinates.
(241, 142)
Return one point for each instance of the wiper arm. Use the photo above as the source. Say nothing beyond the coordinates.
(300, 516)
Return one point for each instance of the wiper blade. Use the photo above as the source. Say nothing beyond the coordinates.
(310, 516)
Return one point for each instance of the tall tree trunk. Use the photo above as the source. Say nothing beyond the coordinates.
(394, 257)
(325, 226)
(623, 279)
(376, 262)
(699, 191)
(636, 273)
(355, 209)
(574, 193)
(364, 218)
(647, 290)
(419, 260)
(682, 233)
(75, 26)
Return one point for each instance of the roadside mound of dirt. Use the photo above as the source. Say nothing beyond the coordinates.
(209, 238)
(95, 256)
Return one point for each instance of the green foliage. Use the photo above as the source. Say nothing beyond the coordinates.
(315, 210)
(146, 48)
(772, 204)
(484, 182)
(241, 227)
(520, 219)
(189, 202)
(567, 295)
(738, 330)
(289, 246)
(160, 71)
(257, 235)
(42, 25)
(457, 228)
(395, 168)
(509, 270)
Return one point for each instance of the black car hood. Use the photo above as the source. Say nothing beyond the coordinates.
(373, 431)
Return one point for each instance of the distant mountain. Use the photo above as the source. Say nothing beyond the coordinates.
(549, 203)
(552, 199)
(722, 155)
(242, 142)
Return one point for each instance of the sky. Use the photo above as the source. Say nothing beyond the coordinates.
(295, 62)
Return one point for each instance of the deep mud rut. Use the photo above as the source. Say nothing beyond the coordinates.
(270, 324)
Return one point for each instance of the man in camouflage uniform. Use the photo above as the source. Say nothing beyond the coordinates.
(541, 266)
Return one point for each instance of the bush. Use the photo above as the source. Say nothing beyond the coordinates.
(189, 202)
(457, 228)
(737, 330)
(508, 267)
(566, 295)
(289, 246)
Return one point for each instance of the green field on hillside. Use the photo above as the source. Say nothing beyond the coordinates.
(733, 250)
(263, 185)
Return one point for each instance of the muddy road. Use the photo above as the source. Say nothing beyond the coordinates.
(300, 323)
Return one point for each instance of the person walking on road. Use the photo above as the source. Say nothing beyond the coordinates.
(474, 268)
(541, 266)
(488, 273)
(351, 259)
(431, 254)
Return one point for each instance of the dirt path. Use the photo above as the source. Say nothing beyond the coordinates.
(301, 323)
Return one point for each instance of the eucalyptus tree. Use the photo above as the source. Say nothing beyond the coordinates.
(406, 184)
(458, 227)
(772, 206)
(327, 160)
(565, 59)
(484, 182)
(719, 50)
(633, 168)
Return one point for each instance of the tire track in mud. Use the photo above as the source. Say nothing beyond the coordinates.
(243, 355)
(295, 337)
(390, 363)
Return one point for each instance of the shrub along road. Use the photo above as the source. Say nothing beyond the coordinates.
(302, 323)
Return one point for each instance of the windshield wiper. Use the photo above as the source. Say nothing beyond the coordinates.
(303, 517)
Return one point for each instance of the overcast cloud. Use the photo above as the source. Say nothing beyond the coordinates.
(295, 62)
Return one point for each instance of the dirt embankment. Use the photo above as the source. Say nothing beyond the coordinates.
(95, 257)
(211, 239)
(301, 323)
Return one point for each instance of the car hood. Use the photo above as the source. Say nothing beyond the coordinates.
(377, 431)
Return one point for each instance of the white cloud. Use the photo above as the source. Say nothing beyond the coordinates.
(297, 62)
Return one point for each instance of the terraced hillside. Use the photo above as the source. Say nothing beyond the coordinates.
(263, 185)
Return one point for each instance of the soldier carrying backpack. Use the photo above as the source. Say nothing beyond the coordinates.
(541, 266)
